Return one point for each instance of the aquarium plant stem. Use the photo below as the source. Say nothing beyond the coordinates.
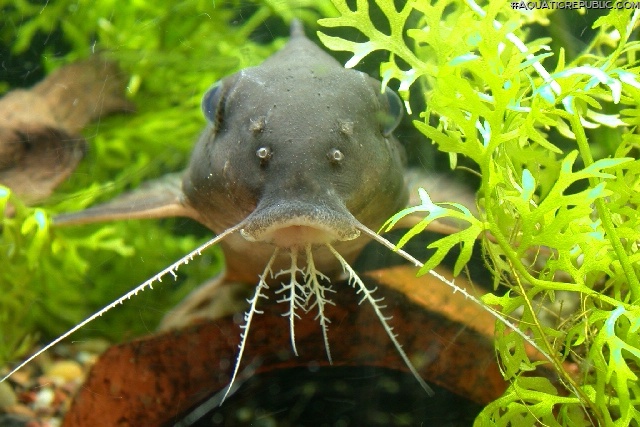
(603, 212)
(571, 384)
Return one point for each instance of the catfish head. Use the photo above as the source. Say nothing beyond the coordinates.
(299, 150)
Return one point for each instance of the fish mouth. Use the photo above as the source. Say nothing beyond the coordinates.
(298, 224)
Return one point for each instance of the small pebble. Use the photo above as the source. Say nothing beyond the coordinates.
(7, 396)
(21, 410)
(86, 359)
(65, 370)
(44, 398)
(40, 394)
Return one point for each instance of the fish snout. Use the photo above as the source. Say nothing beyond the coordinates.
(294, 223)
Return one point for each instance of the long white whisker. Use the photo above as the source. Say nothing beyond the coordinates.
(318, 290)
(293, 282)
(157, 278)
(375, 236)
(248, 316)
(368, 295)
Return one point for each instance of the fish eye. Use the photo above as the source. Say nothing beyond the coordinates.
(335, 155)
(263, 153)
(211, 104)
(394, 111)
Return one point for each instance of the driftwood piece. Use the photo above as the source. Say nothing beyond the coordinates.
(152, 380)
(40, 141)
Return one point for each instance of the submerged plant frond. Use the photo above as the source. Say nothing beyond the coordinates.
(466, 237)
(552, 134)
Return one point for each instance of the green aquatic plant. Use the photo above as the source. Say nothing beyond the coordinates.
(555, 145)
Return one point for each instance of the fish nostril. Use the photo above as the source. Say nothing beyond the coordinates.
(335, 155)
(257, 125)
(264, 154)
(346, 127)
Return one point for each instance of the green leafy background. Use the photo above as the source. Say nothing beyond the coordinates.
(554, 185)
(548, 122)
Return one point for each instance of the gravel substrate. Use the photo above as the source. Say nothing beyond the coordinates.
(40, 394)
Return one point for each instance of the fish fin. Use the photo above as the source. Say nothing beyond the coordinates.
(159, 198)
(297, 29)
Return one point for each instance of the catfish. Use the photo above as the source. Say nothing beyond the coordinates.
(298, 149)
(295, 168)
